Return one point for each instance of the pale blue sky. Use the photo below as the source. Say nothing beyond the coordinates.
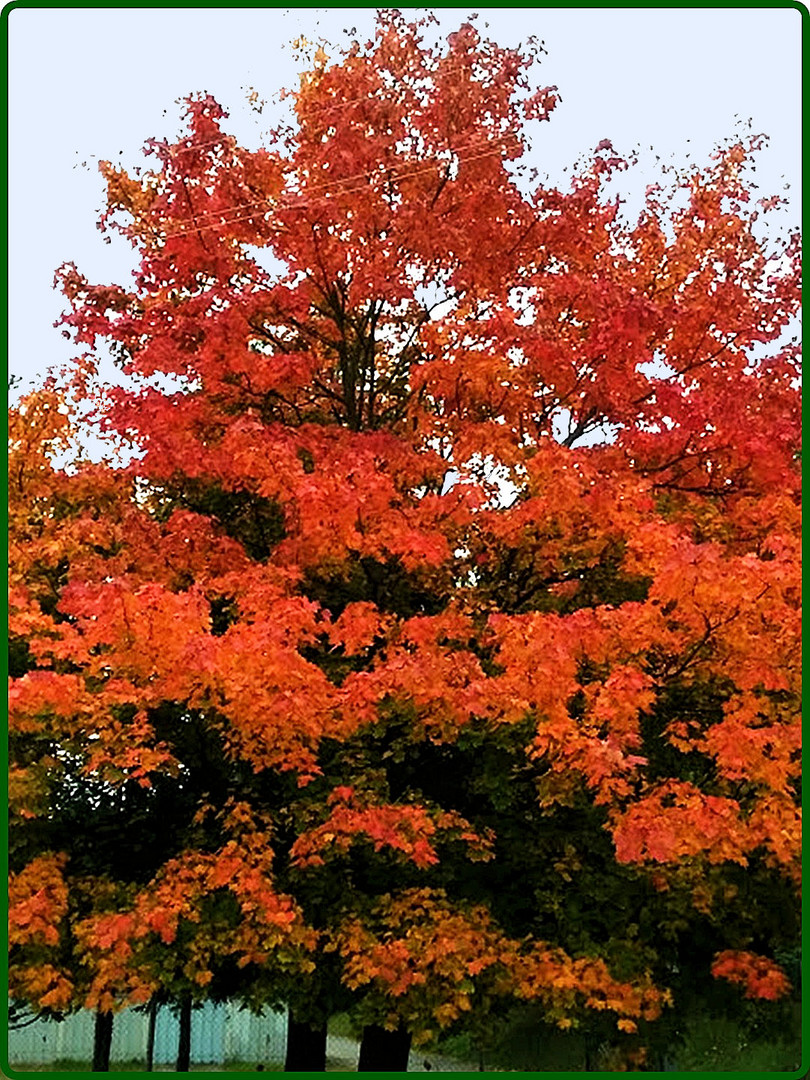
(94, 83)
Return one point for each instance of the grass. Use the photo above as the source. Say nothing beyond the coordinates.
(720, 1045)
(710, 1044)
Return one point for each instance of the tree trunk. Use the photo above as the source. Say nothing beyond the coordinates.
(306, 1047)
(184, 1042)
(102, 1041)
(384, 1051)
(150, 1035)
(591, 1051)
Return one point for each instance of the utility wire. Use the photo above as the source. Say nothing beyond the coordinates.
(450, 68)
(278, 205)
(326, 189)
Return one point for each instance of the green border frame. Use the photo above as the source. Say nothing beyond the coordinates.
(23, 5)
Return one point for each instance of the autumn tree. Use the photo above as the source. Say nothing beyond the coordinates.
(452, 588)
(88, 834)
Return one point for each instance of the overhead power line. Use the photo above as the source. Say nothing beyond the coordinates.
(197, 222)
(373, 95)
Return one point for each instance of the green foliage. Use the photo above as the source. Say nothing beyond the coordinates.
(717, 1044)
(387, 584)
(256, 522)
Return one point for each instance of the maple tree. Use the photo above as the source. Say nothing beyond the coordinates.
(412, 733)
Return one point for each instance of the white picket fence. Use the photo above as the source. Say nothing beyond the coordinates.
(219, 1034)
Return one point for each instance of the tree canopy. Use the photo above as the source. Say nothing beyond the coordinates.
(438, 645)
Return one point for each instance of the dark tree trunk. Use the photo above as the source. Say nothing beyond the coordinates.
(150, 1035)
(591, 1051)
(102, 1041)
(306, 1047)
(184, 1042)
(384, 1051)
